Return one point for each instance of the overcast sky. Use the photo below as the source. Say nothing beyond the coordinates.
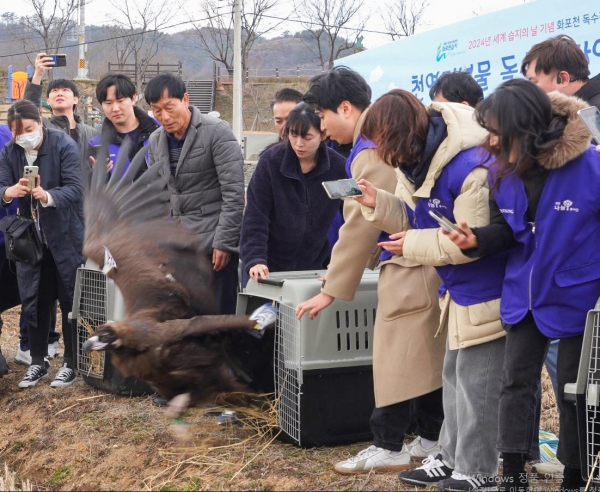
(439, 13)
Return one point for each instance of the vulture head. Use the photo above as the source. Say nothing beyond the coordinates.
(105, 338)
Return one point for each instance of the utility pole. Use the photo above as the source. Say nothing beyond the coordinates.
(238, 88)
(82, 72)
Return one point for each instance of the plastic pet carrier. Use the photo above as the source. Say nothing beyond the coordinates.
(323, 373)
(97, 301)
(586, 394)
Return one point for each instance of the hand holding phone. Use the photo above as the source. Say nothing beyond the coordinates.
(591, 117)
(445, 223)
(31, 173)
(342, 189)
(59, 60)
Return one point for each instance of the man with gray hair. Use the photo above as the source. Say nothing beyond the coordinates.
(206, 181)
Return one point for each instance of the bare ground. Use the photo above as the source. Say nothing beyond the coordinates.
(79, 438)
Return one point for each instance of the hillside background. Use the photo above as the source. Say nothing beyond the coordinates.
(293, 54)
(288, 51)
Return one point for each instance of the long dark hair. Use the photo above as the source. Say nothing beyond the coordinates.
(397, 123)
(520, 113)
(19, 111)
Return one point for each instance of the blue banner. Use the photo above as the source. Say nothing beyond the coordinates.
(491, 47)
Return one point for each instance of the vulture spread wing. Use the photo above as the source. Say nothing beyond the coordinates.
(167, 337)
(192, 356)
(155, 262)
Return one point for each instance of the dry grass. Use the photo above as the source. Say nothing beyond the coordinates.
(8, 481)
(79, 438)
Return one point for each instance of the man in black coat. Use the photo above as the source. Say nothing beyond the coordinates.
(558, 64)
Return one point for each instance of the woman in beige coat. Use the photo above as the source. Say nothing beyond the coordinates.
(439, 168)
(407, 359)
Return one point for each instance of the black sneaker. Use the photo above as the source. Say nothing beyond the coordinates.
(430, 472)
(64, 377)
(460, 483)
(32, 376)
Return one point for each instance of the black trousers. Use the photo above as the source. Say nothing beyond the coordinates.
(53, 336)
(226, 286)
(9, 297)
(51, 288)
(526, 349)
(389, 424)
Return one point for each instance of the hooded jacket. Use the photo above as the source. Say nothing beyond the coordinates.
(33, 93)
(554, 264)
(288, 214)
(455, 183)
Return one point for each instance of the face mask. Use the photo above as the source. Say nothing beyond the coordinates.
(29, 141)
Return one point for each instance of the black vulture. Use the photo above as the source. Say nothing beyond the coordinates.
(170, 336)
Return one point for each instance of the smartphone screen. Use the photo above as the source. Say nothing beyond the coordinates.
(342, 188)
(591, 118)
(445, 223)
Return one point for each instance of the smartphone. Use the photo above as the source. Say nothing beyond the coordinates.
(342, 188)
(31, 173)
(591, 118)
(59, 60)
(445, 223)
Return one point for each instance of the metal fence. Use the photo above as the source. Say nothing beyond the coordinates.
(152, 70)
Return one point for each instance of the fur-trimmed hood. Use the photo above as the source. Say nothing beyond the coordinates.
(576, 138)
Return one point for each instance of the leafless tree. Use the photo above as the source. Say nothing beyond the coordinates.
(333, 24)
(45, 28)
(140, 24)
(402, 17)
(215, 30)
(122, 44)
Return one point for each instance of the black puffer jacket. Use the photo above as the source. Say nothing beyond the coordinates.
(590, 92)
(33, 93)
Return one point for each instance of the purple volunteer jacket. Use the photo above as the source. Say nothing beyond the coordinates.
(554, 270)
(470, 283)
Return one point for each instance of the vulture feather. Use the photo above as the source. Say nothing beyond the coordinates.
(169, 336)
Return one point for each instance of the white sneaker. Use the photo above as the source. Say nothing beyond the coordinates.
(416, 449)
(53, 350)
(376, 459)
(23, 357)
(549, 469)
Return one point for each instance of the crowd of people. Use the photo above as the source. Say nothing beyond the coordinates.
(466, 317)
